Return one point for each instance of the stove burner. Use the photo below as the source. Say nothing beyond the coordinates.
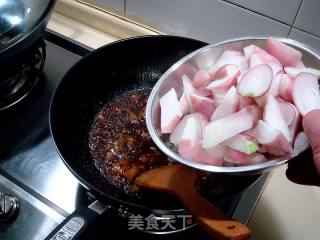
(16, 87)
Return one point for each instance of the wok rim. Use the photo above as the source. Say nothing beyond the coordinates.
(100, 194)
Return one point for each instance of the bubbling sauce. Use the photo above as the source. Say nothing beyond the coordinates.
(120, 143)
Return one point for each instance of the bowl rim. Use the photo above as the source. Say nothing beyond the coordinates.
(239, 170)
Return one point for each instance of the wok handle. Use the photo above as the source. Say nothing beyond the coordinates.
(75, 224)
(212, 219)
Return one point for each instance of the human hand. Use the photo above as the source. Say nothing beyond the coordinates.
(305, 168)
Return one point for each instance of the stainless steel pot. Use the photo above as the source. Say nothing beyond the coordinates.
(202, 59)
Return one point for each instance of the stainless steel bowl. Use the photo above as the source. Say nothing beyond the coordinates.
(202, 59)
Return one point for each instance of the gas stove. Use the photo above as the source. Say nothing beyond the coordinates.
(37, 191)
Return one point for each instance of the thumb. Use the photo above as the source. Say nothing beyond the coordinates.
(311, 126)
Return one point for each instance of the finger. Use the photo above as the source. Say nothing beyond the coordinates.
(311, 126)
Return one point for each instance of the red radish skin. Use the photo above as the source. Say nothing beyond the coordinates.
(224, 128)
(256, 81)
(286, 87)
(171, 112)
(201, 79)
(228, 105)
(294, 71)
(306, 94)
(224, 78)
(272, 115)
(203, 105)
(301, 143)
(287, 55)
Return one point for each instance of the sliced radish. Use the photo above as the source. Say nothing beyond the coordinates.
(203, 105)
(188, 89)
(176, 134)
(190, 146)
(257, 59)
(287, 55)
(275, 85)
(253, 49)
(256, 112)
(286, 87)
(272, 139)
(256, 81)
(306, 95)
(273, 90)
(294, 71)
(224, 128)
(201, 79)
(272, 115)
(184, 103)
(224, 78)
(242, 143)
(218, 151)
(287, 111)
(170, 111)
(301, 143)
(242, 159)
(232, 57)
(228, 105)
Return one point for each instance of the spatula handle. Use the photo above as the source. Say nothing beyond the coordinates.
(212, 219)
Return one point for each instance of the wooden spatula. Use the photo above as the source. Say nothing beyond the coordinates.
(180, 182)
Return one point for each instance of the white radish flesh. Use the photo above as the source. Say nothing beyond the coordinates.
(228, 105)
(272, 115)
(224, 78)
(306, 94)
(232, 57)
(224, 128)
(286, 87)
(272, 139)
(242, 143)
(256, 81)
(170, 111)
(301, 143)
(288, 112)
(190, 146)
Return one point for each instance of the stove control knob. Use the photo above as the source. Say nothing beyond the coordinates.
(9, 207)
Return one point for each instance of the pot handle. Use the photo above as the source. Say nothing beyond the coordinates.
(75, 224)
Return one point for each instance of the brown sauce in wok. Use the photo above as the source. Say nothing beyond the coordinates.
(120, 143)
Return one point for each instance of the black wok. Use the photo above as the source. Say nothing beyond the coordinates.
(22, 23)
(103, 75)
